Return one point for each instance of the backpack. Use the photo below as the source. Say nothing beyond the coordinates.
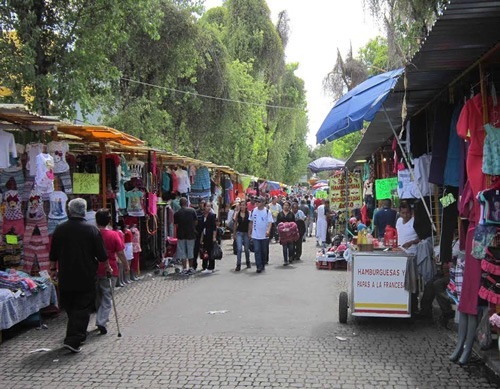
(288, 232)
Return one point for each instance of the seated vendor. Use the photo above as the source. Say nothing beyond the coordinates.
(407, 236)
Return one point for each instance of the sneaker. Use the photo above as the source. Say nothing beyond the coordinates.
(206, 271)
(72, 349)
(238, 268)
(286, 263)
(186, 272)
(102, 330)
(259, 270)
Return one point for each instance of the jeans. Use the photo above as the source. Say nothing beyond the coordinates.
(261, 248)
(242, 239)
(78, 306)
(287, 251)
(104, 300)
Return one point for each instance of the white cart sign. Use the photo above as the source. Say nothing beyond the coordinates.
(378, 286)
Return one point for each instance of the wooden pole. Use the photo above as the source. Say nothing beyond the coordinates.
(102, 147)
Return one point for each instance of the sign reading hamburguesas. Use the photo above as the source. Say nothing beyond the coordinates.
(339, 191)
(85, 183)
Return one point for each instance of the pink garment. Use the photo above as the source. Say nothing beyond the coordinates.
(472, 277)
(470, 127)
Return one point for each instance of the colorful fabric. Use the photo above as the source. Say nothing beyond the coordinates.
(201, 179)
(135, 200)
(58, 150)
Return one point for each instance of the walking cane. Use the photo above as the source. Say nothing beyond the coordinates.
(114, 305)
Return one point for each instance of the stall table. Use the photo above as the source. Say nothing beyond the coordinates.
(14, 310)
(377, 286)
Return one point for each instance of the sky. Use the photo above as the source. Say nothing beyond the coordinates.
(317, 29)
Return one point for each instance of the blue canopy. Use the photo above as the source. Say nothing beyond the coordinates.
(356, 106)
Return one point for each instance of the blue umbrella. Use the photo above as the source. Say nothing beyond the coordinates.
(358, 105)
(324, 164)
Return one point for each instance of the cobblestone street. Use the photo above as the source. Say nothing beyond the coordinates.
(275, 329)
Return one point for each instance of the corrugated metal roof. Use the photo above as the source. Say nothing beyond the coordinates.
(463, 34)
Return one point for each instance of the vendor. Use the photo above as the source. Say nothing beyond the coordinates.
(407, 236)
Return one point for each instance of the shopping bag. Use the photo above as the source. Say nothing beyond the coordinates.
(216, 251)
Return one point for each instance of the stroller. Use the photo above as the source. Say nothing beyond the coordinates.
(169, 263)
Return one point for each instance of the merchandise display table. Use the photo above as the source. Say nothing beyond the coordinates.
(14, 310)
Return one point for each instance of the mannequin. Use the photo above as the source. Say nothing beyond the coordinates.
(128, 252)
(136, 250)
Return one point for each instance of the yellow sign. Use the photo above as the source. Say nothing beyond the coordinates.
(4, 91)
(11, 239)
(338, 192)
(85, 183)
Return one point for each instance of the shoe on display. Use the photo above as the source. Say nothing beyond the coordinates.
(72, 349)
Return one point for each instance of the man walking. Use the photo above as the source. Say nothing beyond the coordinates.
(76, 249)
(185, 219)
(115, 248)
(259, 230)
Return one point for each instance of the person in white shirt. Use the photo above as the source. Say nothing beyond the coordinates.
(407, 236)
(259, 230)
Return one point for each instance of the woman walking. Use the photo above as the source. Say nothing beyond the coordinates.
(208, 228)
(241, 225)
(286, 216)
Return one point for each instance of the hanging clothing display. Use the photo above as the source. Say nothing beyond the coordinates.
(36, 238)
(7, 148)
(440, 143)
(57, 214)
(135, 202)
(491, 151)
(13, 218)
(58, 150)
(44, 178)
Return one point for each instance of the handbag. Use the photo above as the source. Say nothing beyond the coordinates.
(216, 251)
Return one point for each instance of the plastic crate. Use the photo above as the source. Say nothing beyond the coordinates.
(330, 265)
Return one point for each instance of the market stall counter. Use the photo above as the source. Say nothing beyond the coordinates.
(15, 307)
(378, 283)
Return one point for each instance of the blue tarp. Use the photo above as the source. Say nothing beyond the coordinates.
(358, 105)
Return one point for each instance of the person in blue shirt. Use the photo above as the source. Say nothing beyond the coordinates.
(383, 217)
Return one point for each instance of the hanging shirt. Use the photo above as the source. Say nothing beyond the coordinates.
(58, 201)
(33, 149)
(135, 203)
(491, 151)
(35, 207)
(7, 147)
(44, 178)
(135, 168)
(184, 185)
(58, 150)
(15, 161)
(201, 179)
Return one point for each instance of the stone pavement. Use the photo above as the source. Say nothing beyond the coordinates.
(275, 329)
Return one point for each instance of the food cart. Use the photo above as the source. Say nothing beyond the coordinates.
(377, 285)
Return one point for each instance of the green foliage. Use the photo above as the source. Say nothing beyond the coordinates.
(205, 85)
(343, 147)
(407, 23)
(374, 56)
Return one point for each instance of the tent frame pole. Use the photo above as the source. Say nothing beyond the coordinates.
(412, 176)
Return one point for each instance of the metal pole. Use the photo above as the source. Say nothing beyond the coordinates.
(346, 202)
(412, 176)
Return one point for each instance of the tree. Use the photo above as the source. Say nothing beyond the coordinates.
(374, 56)
(53, 54)
(344, 76)
(407, 23)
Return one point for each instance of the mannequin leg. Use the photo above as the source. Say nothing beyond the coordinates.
(469, 339)
(462, 333)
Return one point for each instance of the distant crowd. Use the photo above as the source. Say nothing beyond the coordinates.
(254, 222)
